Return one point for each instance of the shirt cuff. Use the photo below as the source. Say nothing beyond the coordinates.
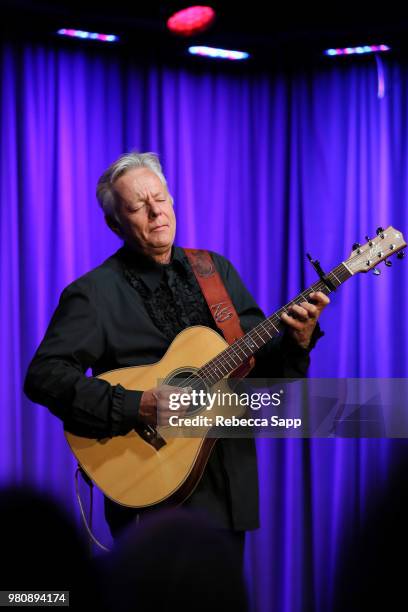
(125, 410)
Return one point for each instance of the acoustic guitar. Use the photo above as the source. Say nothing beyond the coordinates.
(150, 466)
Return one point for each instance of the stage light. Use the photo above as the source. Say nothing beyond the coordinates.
(191, 20)
(88, 35)
(218, 53)
(357, 50)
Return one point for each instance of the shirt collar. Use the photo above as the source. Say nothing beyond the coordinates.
(148, 270)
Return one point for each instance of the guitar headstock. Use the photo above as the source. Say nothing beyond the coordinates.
(365, 257)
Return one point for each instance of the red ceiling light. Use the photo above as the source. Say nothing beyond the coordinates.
(191, 20)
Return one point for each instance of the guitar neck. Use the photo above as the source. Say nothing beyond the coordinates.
(245, 347)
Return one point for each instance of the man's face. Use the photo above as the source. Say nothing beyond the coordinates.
(145, 212)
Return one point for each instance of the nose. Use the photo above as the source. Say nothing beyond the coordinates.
(154, 207)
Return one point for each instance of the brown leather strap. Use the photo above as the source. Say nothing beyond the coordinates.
(218, 300)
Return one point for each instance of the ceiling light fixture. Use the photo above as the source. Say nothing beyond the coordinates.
(218, 53)
(88, 35)
(357, 50)
(191, 20)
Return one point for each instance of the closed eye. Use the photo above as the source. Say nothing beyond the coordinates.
(141, 206)
(137, 208)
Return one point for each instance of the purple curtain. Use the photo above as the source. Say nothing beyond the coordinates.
(263, 168)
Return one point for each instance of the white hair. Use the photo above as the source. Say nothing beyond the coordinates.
(105, 191)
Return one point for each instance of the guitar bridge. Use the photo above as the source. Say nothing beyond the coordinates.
(150, 435)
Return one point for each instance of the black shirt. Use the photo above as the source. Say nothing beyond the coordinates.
(125, 313)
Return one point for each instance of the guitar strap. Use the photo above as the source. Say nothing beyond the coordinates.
(219, 302)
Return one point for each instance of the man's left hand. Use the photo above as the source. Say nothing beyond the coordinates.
(302, 324)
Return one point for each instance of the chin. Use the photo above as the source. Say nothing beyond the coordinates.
(163, 239)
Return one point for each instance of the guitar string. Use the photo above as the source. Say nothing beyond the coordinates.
(319, 286)
(341, 273)
(262, 327)
(262, 331)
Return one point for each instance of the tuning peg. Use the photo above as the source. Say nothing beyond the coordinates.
(380, 231)
(388, 263)
(370, 242)
(356, 246)
(377, 272)
(401, 255)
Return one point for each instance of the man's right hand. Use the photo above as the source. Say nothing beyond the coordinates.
(154, 404)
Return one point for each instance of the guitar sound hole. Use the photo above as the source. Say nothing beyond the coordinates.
(187, 378)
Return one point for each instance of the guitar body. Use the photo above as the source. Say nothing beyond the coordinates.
(128, 469)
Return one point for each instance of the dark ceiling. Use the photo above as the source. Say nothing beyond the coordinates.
(267, 30)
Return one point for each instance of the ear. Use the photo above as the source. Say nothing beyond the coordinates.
(113, 225)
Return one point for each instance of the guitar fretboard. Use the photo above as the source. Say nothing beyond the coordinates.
(242, 349)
